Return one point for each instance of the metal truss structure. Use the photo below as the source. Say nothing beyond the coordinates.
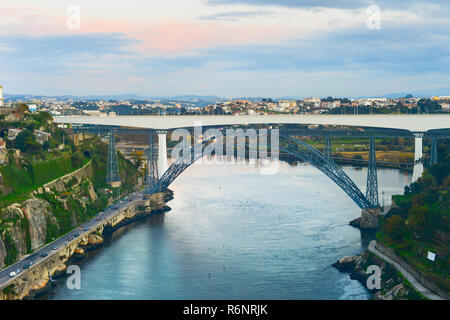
(327, 148)
(151, 179)
(295, 147)
(112, 173)
(307, 153)
(181, 164)
(372, 178)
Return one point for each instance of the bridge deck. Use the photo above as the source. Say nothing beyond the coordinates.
(415, 123)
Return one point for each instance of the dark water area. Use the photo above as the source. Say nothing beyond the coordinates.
(233, 233)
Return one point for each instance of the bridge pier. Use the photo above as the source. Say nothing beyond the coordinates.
(372, 177)
(418, 154)
(151, 178)
(112, 173)
(162, 154)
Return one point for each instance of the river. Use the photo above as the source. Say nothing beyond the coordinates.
(235, 234)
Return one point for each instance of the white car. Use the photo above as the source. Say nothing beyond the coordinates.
(12, 274)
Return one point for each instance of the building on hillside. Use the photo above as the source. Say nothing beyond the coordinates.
(288, 104)
(3, 157)
(445, 106)
(12, 117)
(313, 101)
(12, 133)
(41, 136)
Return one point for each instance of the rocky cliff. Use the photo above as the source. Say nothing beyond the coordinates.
(393, 285)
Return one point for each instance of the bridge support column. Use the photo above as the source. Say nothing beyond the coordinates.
(372, 178)
(434, 152)
(418, 153)
(327, 148)
(112, 173)
(151, 178)
(162, 154)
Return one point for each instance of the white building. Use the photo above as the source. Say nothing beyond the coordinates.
(314, 101)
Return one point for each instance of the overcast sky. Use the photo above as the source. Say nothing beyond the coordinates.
(227, 48)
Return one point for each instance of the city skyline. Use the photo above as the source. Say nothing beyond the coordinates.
(235, 48)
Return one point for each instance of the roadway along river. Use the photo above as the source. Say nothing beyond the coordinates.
(235, 234)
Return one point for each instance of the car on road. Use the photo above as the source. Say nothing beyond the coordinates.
(12, 274)
(28, 264)
(86, 229)
(55, 248)
(70, 239)
(18, 271)
(44, 254)
(77, 234)
(98, 218)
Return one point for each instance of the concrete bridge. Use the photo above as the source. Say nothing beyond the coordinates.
(160, 175)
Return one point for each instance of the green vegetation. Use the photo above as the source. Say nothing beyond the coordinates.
(420, 221)
(46, 171)
(78, 202)
(22, 180)
(11, 249)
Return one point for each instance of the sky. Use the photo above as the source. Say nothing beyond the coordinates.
(228, 48)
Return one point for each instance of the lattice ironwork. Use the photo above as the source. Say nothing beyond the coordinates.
(372, 177)
(112, 173)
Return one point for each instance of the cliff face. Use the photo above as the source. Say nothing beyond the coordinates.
(38, 213)
(54, 209)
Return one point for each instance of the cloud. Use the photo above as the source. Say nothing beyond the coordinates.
(56, 53)
(56, 45)
(236, 15)
(341, 4)
(395, 49)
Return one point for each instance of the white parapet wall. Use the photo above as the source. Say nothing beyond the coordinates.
(162, 154)
(418, 154)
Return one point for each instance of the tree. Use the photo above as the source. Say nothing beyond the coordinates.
(394, 228)
(417, 218)
(21, 108)
(22, 138)
(26, 142)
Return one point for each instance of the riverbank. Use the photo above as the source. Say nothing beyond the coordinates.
(393, 285)
(37, 279)
(399, 280)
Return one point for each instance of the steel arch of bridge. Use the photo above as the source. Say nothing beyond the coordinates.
(327, 166)
(307, 153)
(180, 165)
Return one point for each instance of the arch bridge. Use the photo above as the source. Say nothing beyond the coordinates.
(160, 175)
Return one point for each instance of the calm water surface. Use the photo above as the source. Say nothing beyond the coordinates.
(235, 234)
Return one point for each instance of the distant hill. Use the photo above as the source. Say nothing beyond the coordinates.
(132, 96)
(112, 97)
